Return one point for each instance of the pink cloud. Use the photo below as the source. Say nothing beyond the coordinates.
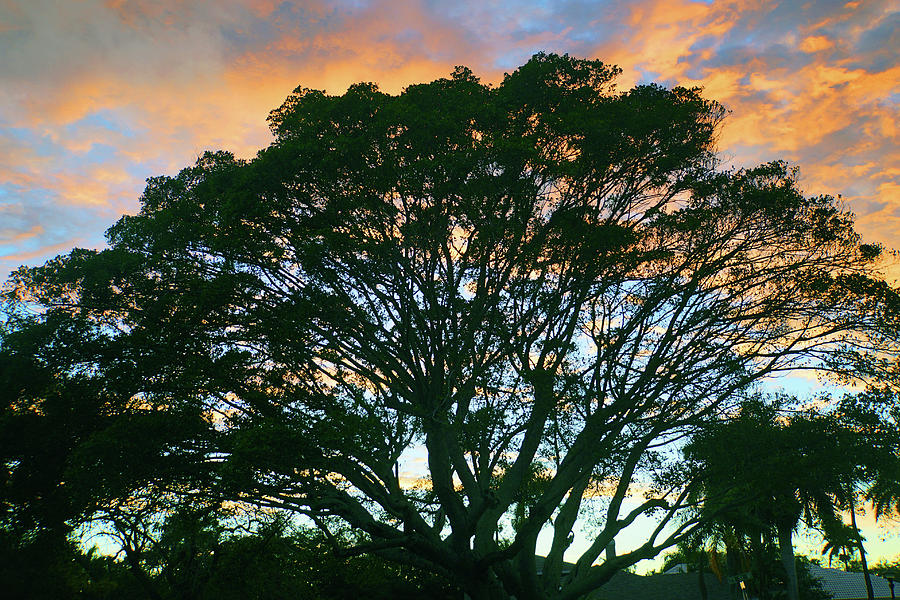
(12, 236)
(45, 252)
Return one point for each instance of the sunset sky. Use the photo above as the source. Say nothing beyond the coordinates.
(98, 95)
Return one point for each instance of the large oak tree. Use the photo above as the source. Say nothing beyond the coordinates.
(541, 285)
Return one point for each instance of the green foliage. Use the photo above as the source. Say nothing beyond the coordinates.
(200, 556)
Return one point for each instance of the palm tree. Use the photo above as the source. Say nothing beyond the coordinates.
(869, 433)
(841, 543)
(787, 471)
(744, 487)
(884, 493)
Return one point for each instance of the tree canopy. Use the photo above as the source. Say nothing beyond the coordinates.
(541, 285)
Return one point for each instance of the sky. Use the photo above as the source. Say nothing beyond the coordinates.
(98, 95)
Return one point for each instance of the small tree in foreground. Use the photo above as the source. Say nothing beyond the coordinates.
(543, 285)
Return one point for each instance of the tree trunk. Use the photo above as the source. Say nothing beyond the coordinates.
(134, 563)
(485, 587)
(701, 582)
(732, 567)
(758, 547)
(870, 591)
(786, 549)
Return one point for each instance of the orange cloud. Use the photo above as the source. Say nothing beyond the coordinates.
(181, 77)
(815, 43)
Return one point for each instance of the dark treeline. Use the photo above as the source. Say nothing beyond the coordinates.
(193, 556)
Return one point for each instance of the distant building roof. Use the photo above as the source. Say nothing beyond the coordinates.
(674, 569)
(678, 586)
(628, 586)
(843, 585)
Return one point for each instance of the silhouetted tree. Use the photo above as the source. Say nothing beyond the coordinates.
(542, 284)
(765, 472)
(868, 433)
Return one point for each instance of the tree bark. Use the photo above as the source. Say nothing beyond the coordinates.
(786, 548)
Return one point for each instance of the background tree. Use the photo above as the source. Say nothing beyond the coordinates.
(747, 494)
(767, 470)
(877, 410)
(869, 433)
(880, 568)
(546, 276)
(74, 442)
